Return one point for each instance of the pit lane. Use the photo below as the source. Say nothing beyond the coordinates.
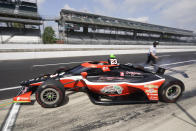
(13, 72)
(78, 113)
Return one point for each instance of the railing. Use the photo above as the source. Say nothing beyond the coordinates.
(88, 18)
(127, 25)
(18, 12)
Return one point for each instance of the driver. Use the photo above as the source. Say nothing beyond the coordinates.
(112, 60)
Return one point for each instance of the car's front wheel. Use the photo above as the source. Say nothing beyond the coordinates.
(50, 94)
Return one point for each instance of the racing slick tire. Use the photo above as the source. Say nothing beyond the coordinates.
(171, 90)
(50, 94)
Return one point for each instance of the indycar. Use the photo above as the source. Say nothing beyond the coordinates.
(104, 83)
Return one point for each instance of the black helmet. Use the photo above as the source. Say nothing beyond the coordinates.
(155, 42)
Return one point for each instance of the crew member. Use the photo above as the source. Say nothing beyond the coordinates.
(152, 54)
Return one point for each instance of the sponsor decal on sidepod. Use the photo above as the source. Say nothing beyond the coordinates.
(151, 86)
(113, 89)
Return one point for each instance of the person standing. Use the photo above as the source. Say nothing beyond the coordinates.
(152, 53)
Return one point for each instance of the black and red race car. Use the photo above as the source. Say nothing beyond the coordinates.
(106, 84)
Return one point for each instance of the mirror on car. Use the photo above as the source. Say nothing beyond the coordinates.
(84, 74)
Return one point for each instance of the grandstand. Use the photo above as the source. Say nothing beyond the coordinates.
(19, 21)
(80, 27)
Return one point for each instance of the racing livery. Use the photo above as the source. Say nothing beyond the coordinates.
(105, 83)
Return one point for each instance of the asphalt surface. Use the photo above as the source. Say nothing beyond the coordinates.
(79, 114)
(15, 71)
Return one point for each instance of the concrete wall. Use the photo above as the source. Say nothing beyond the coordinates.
(37, 51)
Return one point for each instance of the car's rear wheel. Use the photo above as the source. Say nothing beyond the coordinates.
(171, 91)
(50, 94)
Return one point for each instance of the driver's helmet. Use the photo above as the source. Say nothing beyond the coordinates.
(112, 56)
(112, 60)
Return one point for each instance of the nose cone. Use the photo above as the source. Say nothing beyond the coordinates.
(24, 98)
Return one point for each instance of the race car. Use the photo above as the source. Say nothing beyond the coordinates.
(105, 84)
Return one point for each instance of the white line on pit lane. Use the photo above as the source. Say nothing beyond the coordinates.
(11, 117)
(174, 63)
(179, 62)
(58, 64)
(10, 88)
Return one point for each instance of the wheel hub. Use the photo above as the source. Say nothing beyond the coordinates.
(173, 92)
(49, 96)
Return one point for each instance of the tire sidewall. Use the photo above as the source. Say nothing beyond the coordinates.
(164, 88)
(54, 85)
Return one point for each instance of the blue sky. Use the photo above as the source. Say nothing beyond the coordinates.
(172, 13)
